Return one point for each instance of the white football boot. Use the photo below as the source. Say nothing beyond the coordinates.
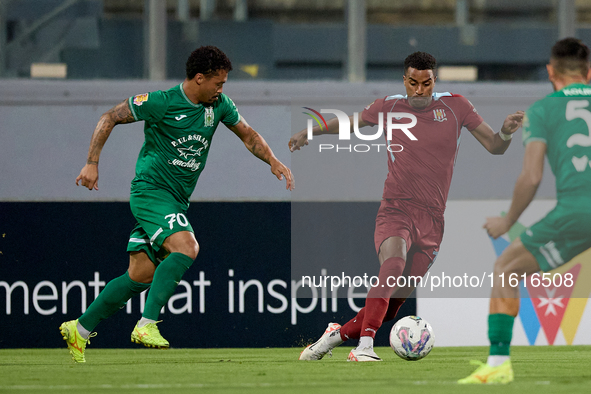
(365, 354)
(328, 341)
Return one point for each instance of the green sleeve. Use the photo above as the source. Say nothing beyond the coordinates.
(150, 107)
(230, 115)
(534, 125)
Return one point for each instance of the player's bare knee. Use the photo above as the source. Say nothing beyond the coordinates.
(501, 267)
(392, 247)
(504, 267)
(140, 277)
(508, 262)
(192, 250)
(141, 269)
(182, 242)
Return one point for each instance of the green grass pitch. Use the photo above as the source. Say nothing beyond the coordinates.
(538, 370)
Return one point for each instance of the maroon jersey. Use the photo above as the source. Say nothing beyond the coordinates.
(422, 171)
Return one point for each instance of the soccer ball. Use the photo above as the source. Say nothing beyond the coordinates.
(412, 338)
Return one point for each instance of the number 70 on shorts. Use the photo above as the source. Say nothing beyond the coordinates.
(177, 217)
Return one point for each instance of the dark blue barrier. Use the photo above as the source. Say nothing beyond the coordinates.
(55, 257)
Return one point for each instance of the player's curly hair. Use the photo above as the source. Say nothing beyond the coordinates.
(207, 60)
(420, 61)
(570, 55)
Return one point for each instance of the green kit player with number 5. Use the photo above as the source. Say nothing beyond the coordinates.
(179, 127)
(558, 126)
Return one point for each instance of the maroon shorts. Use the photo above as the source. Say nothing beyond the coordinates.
(420, 226)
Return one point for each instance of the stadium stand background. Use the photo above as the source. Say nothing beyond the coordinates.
(505, 39)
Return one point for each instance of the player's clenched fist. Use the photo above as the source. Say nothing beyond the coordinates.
(497, 226)
(298, 140)
(88, 177)
(512, 123)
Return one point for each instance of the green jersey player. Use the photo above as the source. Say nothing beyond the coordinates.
(179, 126)
(558, 126)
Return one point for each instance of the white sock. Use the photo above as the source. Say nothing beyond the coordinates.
(495, 361)
(365, 342)
(84, 333)
(143, 321)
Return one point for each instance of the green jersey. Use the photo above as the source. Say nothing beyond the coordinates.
(562, 120)
(178, 135)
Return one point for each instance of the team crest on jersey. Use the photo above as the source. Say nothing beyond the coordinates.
(209, 117)
(140, 98)
(439, 115)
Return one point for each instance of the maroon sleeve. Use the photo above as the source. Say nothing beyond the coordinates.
(471, 119)
(371, 112)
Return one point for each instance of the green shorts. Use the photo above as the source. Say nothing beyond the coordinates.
(561, 235)
(158, 216)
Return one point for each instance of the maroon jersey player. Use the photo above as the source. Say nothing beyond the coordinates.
(409, 224)
(423, 171)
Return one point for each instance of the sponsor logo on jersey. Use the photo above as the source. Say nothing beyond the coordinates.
(186, 152)
(209, 117)
(190, 137)
(439, 115)
(180, 117)
(140, 98)
(189, 152)
(368, 106)
(192, 164)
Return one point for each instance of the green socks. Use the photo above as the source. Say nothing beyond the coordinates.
(113, 297)
(118, 291)
(500, 332)
(166, 278)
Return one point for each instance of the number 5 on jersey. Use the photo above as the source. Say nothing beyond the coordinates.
(177, 217)
(576, 109)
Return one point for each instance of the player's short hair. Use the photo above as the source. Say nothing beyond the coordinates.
(207, 60)
(420, 61)
(570, 55)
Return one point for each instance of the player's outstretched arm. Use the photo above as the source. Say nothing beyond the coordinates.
(525, 189)
(257, 145)
(300, 138)
(494, 142)
(120, 113)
